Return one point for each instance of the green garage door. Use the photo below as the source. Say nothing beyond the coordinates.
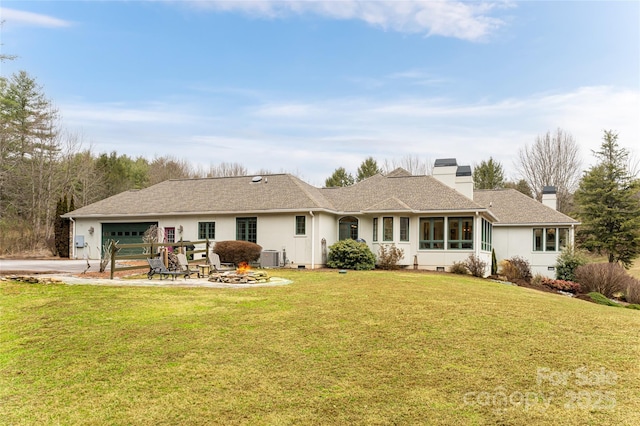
(125, 233)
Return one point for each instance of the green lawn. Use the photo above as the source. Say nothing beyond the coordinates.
(357, 348)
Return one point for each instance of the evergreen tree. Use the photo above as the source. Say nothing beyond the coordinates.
(340, 177)
(609, 206)
(62, 227)
(368, 168)
(488, 175)
(521, 186)
(29, 154)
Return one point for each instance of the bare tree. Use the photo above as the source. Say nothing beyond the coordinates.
(411, 163)
(227, 169)
(168, 167)
(552, 160)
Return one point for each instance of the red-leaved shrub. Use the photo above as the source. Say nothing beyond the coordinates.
(562, 285)
(237, 252)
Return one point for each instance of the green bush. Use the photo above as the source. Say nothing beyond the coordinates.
(459, 268)
(350, 254)
(237, 252)
(601, 299)
(633, 306)
(568, 261)
(389, 256)
(605, 278)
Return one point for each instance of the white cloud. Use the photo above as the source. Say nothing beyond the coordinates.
(13, 16)
(313, 138)
(448, 18)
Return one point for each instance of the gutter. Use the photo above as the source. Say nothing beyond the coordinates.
(73, 238)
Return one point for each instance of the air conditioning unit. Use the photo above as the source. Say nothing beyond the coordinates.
(270, 259)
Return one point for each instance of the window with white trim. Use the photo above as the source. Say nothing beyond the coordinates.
(206, 230)
(301, 225)
(404, 229)
(387, 229)
(460, 233)
(432, 233)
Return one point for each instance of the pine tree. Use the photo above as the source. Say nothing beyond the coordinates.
(488, 175)
(609, 206)
(340, 177)
(368, 168)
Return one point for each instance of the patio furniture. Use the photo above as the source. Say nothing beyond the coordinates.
(216, 265)
(184, 265)
(156, 266)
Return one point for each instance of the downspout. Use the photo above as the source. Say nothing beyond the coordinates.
(573, 236)
(313, 240)
(478, 235)
(73, 238)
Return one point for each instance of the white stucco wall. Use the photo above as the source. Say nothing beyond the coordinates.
(274, 232)
(510, 241)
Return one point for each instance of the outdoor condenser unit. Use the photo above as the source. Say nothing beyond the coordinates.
(270, 259)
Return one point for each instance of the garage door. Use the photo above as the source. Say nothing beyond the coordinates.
(125, 233)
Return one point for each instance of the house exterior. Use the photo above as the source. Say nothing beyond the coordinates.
(437, 220)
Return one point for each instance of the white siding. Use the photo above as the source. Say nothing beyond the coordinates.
(510, 241)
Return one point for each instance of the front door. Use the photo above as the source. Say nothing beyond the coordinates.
(170, 236)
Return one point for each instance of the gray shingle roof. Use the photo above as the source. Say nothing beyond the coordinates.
(284, 192)
(399, 193)
(512, 207)
(222, 195)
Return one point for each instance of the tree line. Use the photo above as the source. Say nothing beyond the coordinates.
(45, 170)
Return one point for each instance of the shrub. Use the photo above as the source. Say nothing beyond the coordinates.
(237, 252)
(633, 306)
(494, 263)
(562, 285)
(632, 295)
(459, 268)
(389, 256)
(476, 266)
(601, 299)
(605, 278)
(516, 268)
(350, 254)
(538, 280)
(568, 261)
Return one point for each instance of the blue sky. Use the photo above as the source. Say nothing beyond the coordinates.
(306, 87)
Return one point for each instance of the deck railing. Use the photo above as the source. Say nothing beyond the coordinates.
(152, 250)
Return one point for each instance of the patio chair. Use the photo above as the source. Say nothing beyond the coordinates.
(156, 266)
(184, 265)
(216, 265)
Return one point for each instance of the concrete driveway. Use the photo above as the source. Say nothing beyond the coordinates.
(40, 266)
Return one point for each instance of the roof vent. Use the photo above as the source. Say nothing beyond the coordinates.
(256, 179)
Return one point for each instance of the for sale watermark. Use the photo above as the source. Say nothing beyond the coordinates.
(578, 389)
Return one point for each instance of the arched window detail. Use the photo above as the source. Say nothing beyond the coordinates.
(348, 228)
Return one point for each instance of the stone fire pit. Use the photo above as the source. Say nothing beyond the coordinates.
(242, 275)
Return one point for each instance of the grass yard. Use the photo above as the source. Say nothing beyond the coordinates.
(357, 348)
